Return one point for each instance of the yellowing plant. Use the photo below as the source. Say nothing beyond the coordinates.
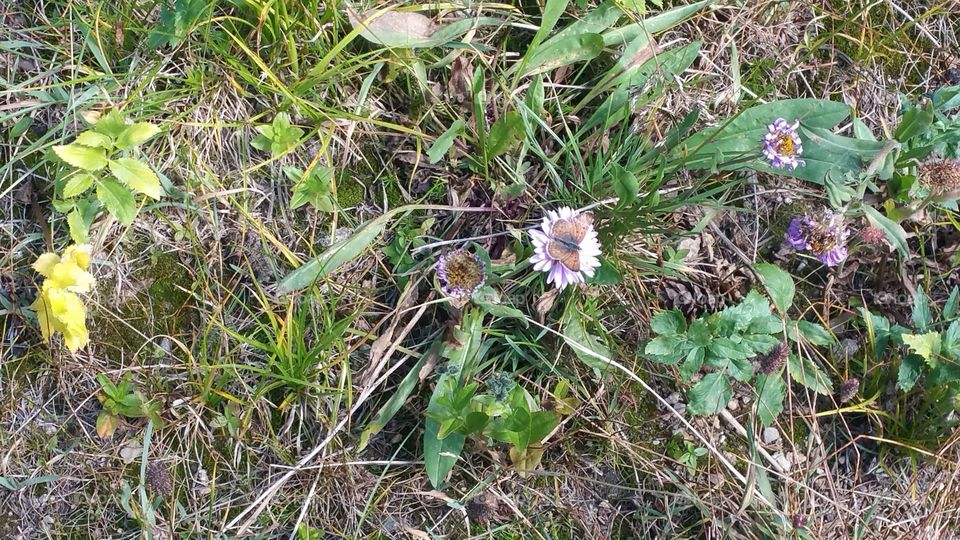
(59, 308)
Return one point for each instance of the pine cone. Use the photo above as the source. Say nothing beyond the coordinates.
(693, 299)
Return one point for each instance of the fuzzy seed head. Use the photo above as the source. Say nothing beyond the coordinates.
(771, 362)
(941, 176)
(848, 390)
(461, 273)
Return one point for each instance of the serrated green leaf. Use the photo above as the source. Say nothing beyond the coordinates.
(111, 124)
(950, 306)
(927, 345)
(94, 140)
(82, 157)
(78, 228)
(138, 175)
(710, 395)
(666, 349)
(136, 134)
(77, 184)
(815, 333)
(911, 366)
(118, 200)
(692, 363)
(771, 391)
(779, 285)
(809, 375)
(921, 315)
(668, 323)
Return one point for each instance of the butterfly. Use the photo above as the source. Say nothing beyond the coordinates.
(565, 238)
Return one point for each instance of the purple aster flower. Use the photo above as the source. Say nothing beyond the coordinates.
(461, 273)
(566, 247)
(823, 235)
(781, 144)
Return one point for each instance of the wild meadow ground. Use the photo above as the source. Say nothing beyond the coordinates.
(258, 322)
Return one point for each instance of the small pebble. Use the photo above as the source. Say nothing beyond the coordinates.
(770, 435)
(733, 405)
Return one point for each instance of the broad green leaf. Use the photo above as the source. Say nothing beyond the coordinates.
(668, 322)
(920, 314)
(927, 345)
(138, 175)
(569, 50)
(727, 348)
(78, 228)
(118, 200)
(950, 306)
(504, 134)
(442, 145)
(111, 124)
(335, 256)
(462, 351)
(500, 310)
(710, 395)
(894, 232)
(779, 285)
(552, 11)
(771, 391)
(406, 29)
(915, 122)
(397, 399)
(692, 363)
(574, 329)
(136, 134)
(625, 185)
(77, 184)
(911, 366)
(82, 157)
(815, 333)
(699, 333)
(603, 17)
(667, 349)
(439, 455)
(94, 140)
(809, 375)
(740, 368)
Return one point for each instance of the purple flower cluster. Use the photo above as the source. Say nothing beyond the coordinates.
(823, 235)
(781, 144)
(461, 273)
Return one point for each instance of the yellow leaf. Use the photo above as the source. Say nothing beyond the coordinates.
(80, 254)
(45, 263)
(69, 276)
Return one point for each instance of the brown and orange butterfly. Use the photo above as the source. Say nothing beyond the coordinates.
(565, 238)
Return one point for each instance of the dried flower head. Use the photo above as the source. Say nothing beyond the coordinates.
(566, 247)
(848, 390)
(461, 273)
(873, 235)
(823, 235)
(771, 362)
(159, 479)
(782, 146)
(941, 176)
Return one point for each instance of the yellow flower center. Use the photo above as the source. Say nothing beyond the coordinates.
(786, 147)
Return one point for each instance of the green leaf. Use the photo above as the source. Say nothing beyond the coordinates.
(893, 231)
(82, 157)
(692, 363)
(927, 345)
(652, 25)
(920, 314)
(118, 200)
(911, 366)
(625, 185)
(723, 347)
(667, 349)
(314, 187)
(504, 134)
(805, 372)
(950, 306)
(565, 51)
(397, 398)
(710, 395)
(440, 455)
(771, 391)
(467, 337)
(575, 329)
(138, 175)
(669, 323)
(77, 184)
(94, 140)
(335, 256)
(442, 145)
(489, 301)
(78, 228)
(779, 285)
(111, 124)
(136, 134)
(815, 333)
(408, 30)
(915, 122)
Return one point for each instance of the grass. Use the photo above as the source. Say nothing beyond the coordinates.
(266, 393)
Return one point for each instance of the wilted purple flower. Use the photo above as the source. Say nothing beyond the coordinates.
(781, 144)
(823, 235)
(566, 247)
(461, 273)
